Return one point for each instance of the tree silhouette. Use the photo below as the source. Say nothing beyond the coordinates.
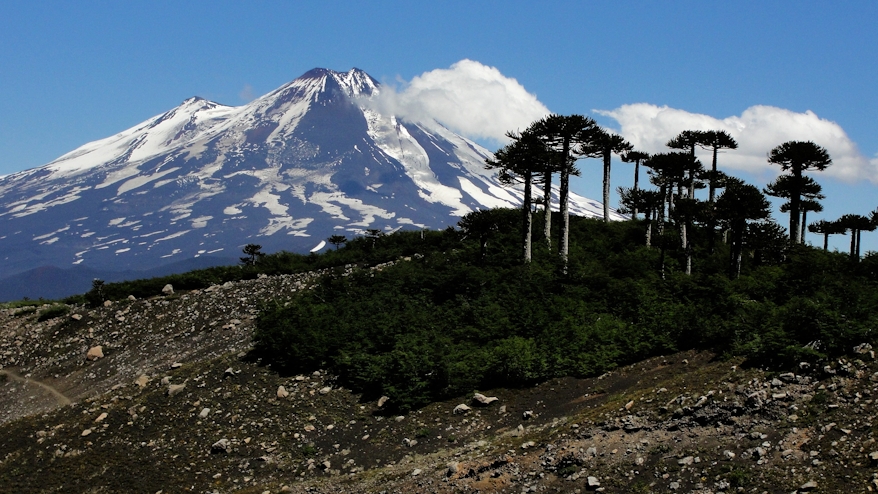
(667, 171)
(337, 240)
(563, 134)
(826, 228)
(253, 253)
(636, 157)
(736, 206)
(687, 140)
(797, 157)
(809, 192)
(715, 140)
(523, 160)
(602, 144)
(856, 223)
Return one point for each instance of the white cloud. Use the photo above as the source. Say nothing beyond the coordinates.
(758, 129)
(469, 98)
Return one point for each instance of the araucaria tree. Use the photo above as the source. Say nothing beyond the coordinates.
(523, 160)
(563, 134)
(797, 157)
(254, 254)
(636, 157)
(716, 140)
(602, 144)
(737, 205)
(810, 192)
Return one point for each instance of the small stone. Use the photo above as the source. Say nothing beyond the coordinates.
(108, 303)
(416, 472)
(382, 401)
(168, 289)
(807, 486)
(309, 428)
(142, 380)
(325, 390)
(527, 415)
(282, 392)
(204, 413)
(86, 432)
(629, 405)
(593, 482)
(132, 298)
(174, 389)
(461, 409)
(686, 461)
(729, 455)
(176, 365)
(221, 446)
(399, 418)
(95, 352)
(76, 317)
(101, 418)
(484, 400)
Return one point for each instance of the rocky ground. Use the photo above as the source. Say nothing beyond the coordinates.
(170, 402)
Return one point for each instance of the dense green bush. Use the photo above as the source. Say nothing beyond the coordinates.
(466, 314)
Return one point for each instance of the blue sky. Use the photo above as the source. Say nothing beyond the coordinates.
(73, 72)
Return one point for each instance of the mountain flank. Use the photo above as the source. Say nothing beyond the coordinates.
(175, 404)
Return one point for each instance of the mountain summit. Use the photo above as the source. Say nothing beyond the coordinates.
(312, 158)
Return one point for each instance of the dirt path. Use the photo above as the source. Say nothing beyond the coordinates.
(62, 400)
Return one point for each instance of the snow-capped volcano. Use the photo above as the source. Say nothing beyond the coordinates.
(310, 159)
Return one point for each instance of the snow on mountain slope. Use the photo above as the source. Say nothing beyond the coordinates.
(305, 161)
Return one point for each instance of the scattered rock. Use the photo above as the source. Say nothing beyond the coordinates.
(76, 317)
(325, 390)
(94, 353)
(101, 418)
(382, 401)
(416, 472)
(221, 446)
(807, 486)
(282, 392)
(174, 389)
(176, 365)
(484, 400)
(862, 348)
(168, 289)
(593, 482)
(527, 415)
(204, 413)
(461, 409)
(132, 298)
(86, 432)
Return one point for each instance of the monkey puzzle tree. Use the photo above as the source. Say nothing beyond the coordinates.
(636, 157)
(736, 206)
(667, 171)
(715, 140)
(856, 223)
(826, 228)
(337, 240)
(563, 134)
(602, 144)
(809, 192)
(797, 157)
(523, 160)
(254, 254)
